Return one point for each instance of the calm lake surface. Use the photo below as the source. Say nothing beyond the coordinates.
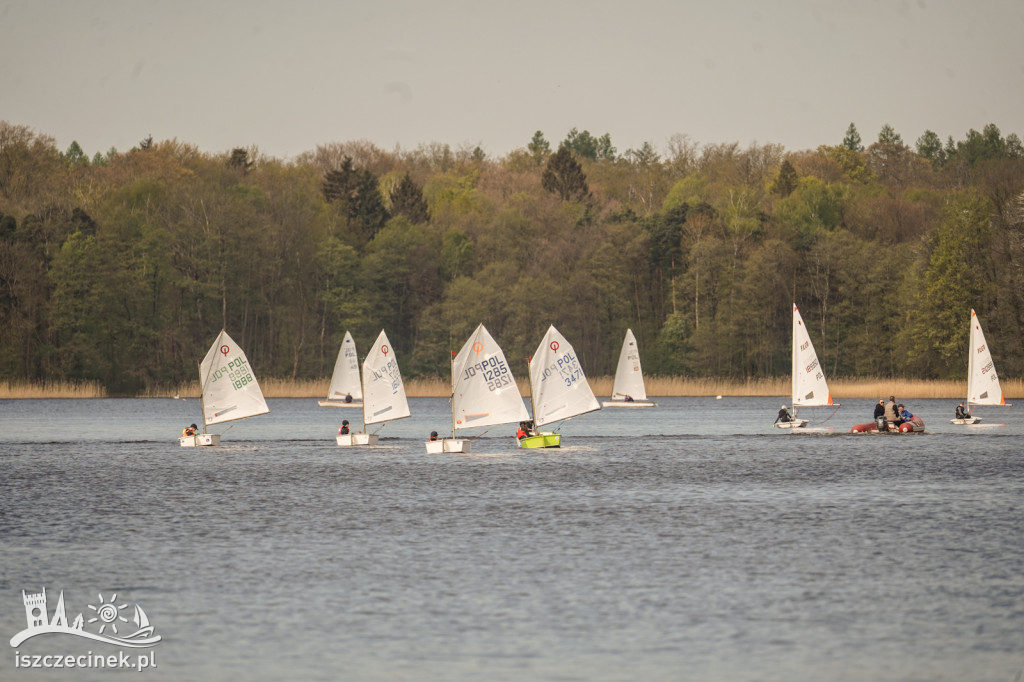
(685, 542)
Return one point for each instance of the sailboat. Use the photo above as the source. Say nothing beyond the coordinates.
(384, 397)
(558, 389)
(345, 380)
(484, 392)
(229, 390)
(982, 380)
(628, 388)
(809, 386)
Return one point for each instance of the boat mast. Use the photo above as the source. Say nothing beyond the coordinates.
(362, 382)
(529, 377)
(451, 398)
(202, 390)
(793, 357)
(970, 358)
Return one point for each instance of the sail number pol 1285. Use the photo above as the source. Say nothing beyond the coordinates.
(493, 371)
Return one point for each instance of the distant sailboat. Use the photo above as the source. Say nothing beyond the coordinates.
(628, 388)
(982, 381)
(484, 392)
(345, 390)
(809, 388)
(229, 390)
(558, 389)
(384, 397)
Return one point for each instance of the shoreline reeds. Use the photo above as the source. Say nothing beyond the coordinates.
(51, 389)
(657, 386)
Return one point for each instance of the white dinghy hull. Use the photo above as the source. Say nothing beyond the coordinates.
(200, 440)
(348, 440)
(437, 447)
(628, 403)
(794, 424)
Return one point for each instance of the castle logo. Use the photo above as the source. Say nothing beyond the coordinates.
(112, 626)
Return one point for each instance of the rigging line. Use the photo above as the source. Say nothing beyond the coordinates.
(837, 406)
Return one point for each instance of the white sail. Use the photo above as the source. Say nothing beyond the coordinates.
(809, 386)
(383, 391)
(229, 386)
(345, 380)
(484, 390)
(629, 378)
(558, 388)
(982, 381)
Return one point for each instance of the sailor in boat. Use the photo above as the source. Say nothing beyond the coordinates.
(784, 415)
(892, 411)
(344, 428)
(525, 429)
(189, 431)
(961, 412)
(348, 397)
(880, 419)
(629, 398)
(433, 435)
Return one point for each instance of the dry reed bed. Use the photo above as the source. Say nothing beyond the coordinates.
(51, 389)
(656, 386)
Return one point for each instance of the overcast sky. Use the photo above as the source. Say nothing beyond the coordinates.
(289, 76)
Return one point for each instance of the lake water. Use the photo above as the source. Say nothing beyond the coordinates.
(686, 542)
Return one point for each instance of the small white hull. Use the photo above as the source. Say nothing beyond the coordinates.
(968, 421)
(332, 402)
(348, 440)
(628, 403)
(792, 424)
(436, 447)
(199, 440)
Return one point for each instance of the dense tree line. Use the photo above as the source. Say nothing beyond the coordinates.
(122, 267)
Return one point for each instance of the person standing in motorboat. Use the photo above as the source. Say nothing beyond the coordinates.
(892, 414)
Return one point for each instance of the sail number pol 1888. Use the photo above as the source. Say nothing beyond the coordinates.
(237, 371)
(493, 371)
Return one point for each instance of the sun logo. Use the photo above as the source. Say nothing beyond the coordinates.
(108, 614)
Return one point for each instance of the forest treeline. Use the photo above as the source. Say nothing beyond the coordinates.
(121, 268)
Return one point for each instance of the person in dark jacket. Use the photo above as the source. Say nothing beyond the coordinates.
(880, 420)
(961, 412)
(784, 416)
(344, 428)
